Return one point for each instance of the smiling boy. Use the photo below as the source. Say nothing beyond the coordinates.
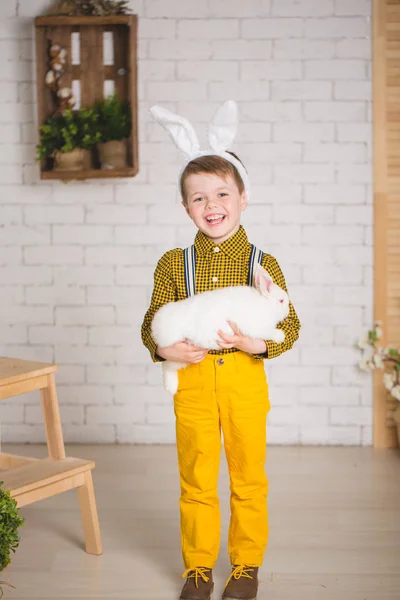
(219, 389)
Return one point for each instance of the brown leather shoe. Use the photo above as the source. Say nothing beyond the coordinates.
(242, 583)
(199, 584)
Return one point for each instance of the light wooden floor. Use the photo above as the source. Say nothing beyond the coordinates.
(334, 528)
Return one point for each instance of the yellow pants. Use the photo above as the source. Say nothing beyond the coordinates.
(231, 392)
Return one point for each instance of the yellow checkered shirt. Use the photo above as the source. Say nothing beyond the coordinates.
(226, 267)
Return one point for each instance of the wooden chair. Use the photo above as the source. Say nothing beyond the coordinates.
(33, 479)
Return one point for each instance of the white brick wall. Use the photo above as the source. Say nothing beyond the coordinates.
(77, 260)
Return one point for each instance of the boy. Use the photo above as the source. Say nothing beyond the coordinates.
(219, 389)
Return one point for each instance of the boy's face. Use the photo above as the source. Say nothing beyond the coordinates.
(214, 204)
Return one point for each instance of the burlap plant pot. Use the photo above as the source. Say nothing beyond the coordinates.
(70, 161)
(112, 154)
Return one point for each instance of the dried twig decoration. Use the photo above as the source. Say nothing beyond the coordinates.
(91, 8)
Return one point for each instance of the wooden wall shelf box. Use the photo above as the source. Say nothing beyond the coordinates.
(89, 72)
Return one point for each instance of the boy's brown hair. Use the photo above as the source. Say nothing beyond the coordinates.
(215, 165)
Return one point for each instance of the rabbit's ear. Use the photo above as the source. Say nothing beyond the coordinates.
(222, 129)
(263, 280)
(179, 128)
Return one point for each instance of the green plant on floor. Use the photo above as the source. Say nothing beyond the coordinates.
(10, 521)
(64, 133)
(114, 119)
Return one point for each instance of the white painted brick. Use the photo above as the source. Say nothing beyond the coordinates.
(317, 416)
(68, 374)
(114, 255)
(253, 8)
(354, 173)
(10, 173)
(157, 28)
(56, 255)
(303, 49)
(54, 295)
(335, 194)
(350, 376)
(159, 413)
(11, 294)
(25, 275)
(254, 132)
(271, 28)
(335, 111)
(337, 153)
(69, 415)
(92, 275)
(354, 255)
(347, 215)
(9, 89)
(347, 90)
(11, 215)
(97, 395)
(146, 434)
(146, 235)
(85, 235)
(301, 375)
(330, 356)
(339, 396)
(8, 9)
(348, 235)
(158, 91)
(125, 394)
(367, 435)
(170, 215)
(23, 434)
(110, 336)
(148, 194)
(116, 214)
(300, 90)
(337, 27)
(89, 434)
(26, 315)
(270, 153)
(16, 28)
(259, 91)
(27, 95)
(53, 214)
(16, 113)
(272, 111)
(10, 134)
(284, 395)
(180, 50)
(212, 70)
(31, 8)
(332, 274)
(294, 8)
(336, 69)
(11, 414)
(346, 335)
(94, 315)
(331, 436)
(156, 70)
(354, 48)
(13, 335)
(304, 173)
(116, 375)
(355, 7)
(242, 49)
(350, 415)
(302, 214)
(117, 295)
(256, 214)
(134, 276)
(172, 9)
(67, 354)
(277, 435)
(303, 132)
(29, 134)
(307, 255)
(87, 194)
(275, 234)
(271, 70)
(133, 413)
(57, 335)
(324, 333)
(218, 29)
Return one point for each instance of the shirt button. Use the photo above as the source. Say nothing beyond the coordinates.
(220, 361)
(215, 279)
(216, 249)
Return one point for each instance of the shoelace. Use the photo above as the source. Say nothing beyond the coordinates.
(240, 571)
(196, 573)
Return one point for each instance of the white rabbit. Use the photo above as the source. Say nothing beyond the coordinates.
(256, 311)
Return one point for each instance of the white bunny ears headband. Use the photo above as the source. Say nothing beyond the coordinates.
(221, 133)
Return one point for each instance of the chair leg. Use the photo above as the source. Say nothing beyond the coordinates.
(90, 520)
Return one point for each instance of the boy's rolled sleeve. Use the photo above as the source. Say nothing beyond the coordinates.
(291, 325)
(164, 291)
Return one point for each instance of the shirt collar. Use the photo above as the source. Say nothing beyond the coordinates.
(233, 246)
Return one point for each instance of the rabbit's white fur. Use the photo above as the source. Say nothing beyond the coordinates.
(256, 311)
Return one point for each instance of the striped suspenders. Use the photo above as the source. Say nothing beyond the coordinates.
(256, 256)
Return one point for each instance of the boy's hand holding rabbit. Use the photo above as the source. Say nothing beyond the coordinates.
(182, 352)
(241, 342)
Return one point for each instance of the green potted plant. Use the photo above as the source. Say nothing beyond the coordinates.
(68, 139)
(387, 359)
(114, 126)
(10, 521)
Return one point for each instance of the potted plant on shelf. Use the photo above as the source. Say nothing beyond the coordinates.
(114, 126)
(10, 521)
(387, 359)
(68, 139)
